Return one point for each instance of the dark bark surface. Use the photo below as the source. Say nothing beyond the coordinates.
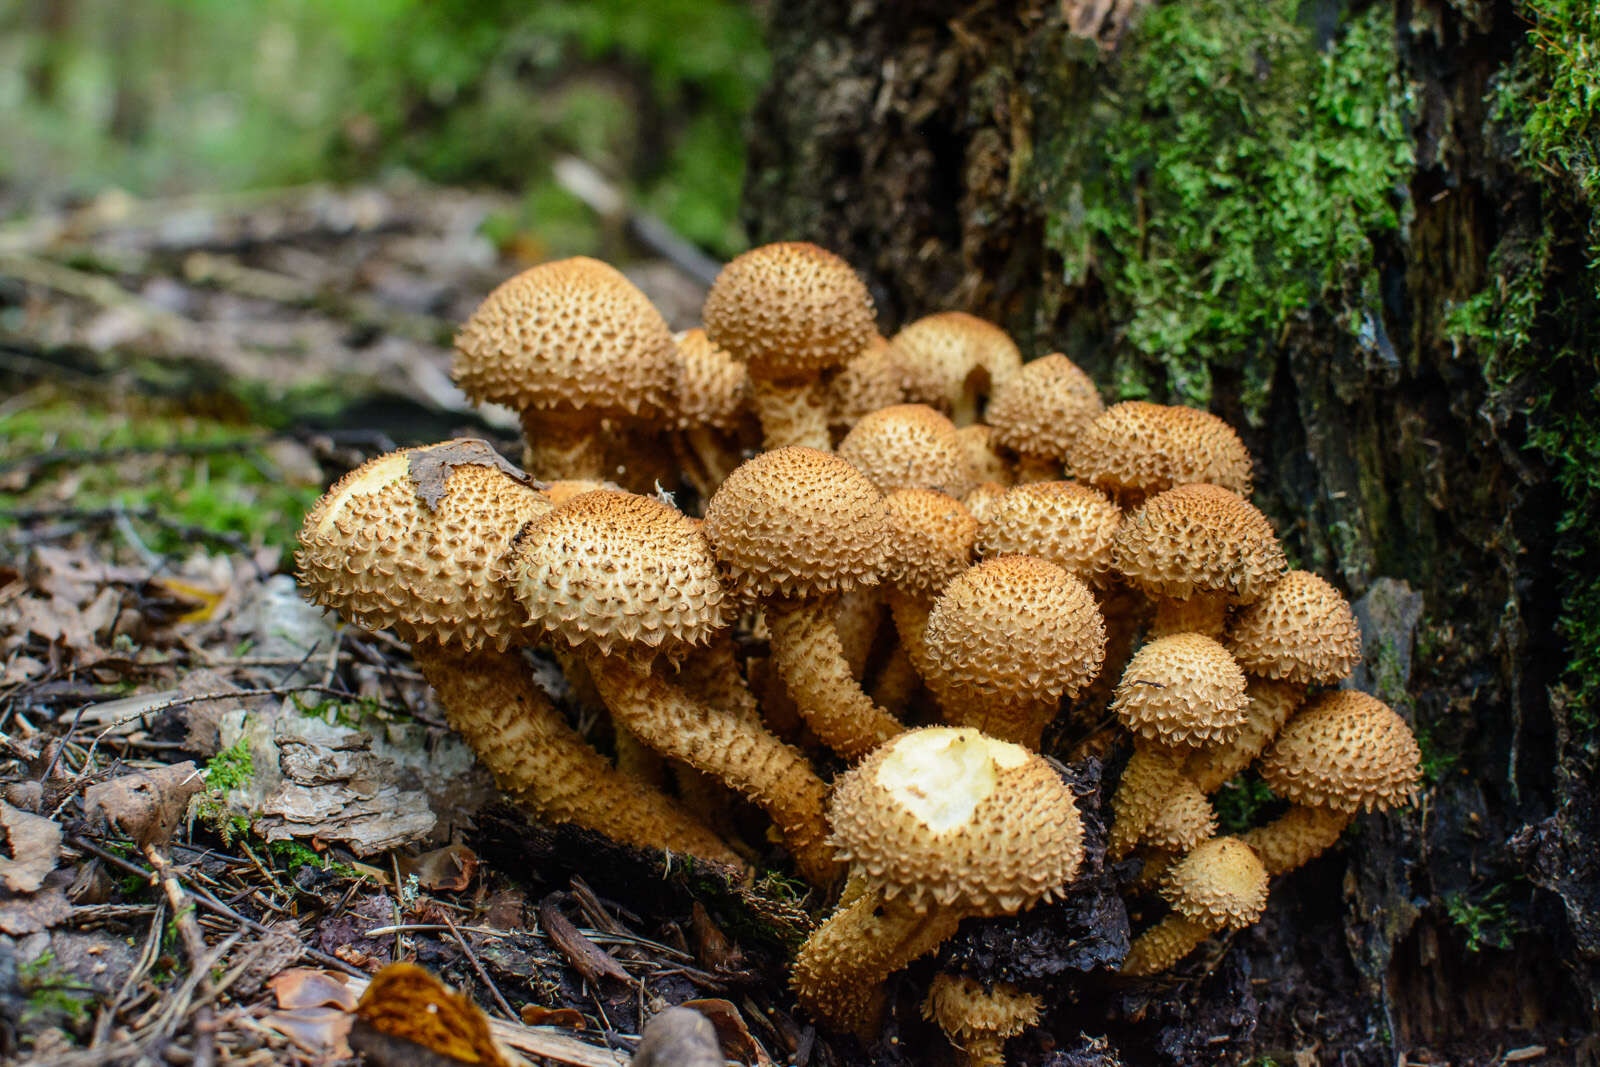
(976, 157)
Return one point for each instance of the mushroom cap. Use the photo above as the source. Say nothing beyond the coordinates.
(1139, 447)
(414, 540)
(614, 569)
(871, 380)
(982, 500)
(573, 334)
(1220, 883)
(1199, 538)
(931, 537)
(945, 815)
(949, 354)
(789, 311)
(798, 522)
(562, 490)
(1346, 751)
(1301, 630)
(1010, 627)
(1044, 408)
(1064, 522)
(986, 465)
(713, 387)
(963, 1009)
(1182, 690)
(908, 446)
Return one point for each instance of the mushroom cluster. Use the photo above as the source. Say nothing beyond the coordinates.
(907, 569)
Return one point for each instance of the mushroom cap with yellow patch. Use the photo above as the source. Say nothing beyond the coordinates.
(1182, 690)
(909, 446)
(1219, 884)
(1199, 539)
(1140, 447)
(1345, 751)
(931, 537)
(798, 522)
(1044, 408)
(570, 335)
(950, 354)
(1068, 523)
(946, 815)
(1014, 627)
(1300, 630)
(414, 541)
(713, 387)
(616, 570)
(789, 310)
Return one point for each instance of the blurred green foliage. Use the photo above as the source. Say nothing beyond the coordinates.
(171, 96)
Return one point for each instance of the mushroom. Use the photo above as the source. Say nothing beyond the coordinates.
(795, 527)
(931, 537)
(712, 398)
(1006, 640)
(1041, 412)
(987, 465)
(790, 312)
(566, 344)
(1301, 630)
(1134, 449)
(982, 500)
(909, 446)
(1269, 704)
(939, 824)
(1200, 543)
(1345, 752)
(978, 1020)
(1067, 523)
(871, 380)
(951, 359)
(413, 541)
(1220, 885)
(626, 580)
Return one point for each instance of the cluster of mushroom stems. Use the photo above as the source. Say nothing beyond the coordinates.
(892, 575)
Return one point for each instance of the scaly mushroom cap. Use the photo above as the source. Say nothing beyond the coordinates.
(1068, 523)
(948, 354)
(790, 311)
(931, 537)
(983, 500)
(1345, 751)
(562, 490)
(948, 815)
(909, 446)
(1014, 626)
(713, 387)
(963, 1009)
(570, 335)
(1140, 447)
(1044, 408)
(1301, 630)
(870, 381)
(612, 569)
(413, 541)
(798, 522)
(1198, 539)
(986, 465)
(1182, 690)
(1221, 883)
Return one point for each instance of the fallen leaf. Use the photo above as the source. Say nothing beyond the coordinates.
(319, 1031)
(406, 1002)
(539, 1015)
(712, 948)
(450, 868)
(678, 1037)
(590, 959)
(39, 911)
(145, 805)
(429, 468)
(737, 1041)
(34, 845)
(305, 987)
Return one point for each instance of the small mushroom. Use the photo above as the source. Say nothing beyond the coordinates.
(1067, 523)
(931, 536)
(952, 359)
(1134, 449)
(977, 1020)
(1220, 885)
(909, 446)
(987, 465)
(712, 400)
(1345, 752)
(1269, 704)
(1301, 630)
(939, 824)
(870, 381)
(1041, 412)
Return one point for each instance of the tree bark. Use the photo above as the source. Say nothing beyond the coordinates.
(1361, 232)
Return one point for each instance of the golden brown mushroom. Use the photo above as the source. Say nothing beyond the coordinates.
(1134, 449)
(1067, 523)
(978, 1020)
(951, 359)
(1220, 885)
(1301, 630)
(870, 381)
(1041, 412)
(909, 446)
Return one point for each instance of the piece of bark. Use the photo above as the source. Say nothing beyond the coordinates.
(144, 805)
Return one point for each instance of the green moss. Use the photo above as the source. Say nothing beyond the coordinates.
(1485, 920)
(232, 767)
(1234, 174)
(1243, 803)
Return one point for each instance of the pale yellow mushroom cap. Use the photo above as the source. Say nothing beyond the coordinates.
(1068, 523)
(569, 335)
(1346, 751)
(1044, 408)
(948, 815)
(1301, 630)
(713, 387)
(789, 310)
(964, 1009)
(1140, 447)
(613, 569)
(1182, 690)
(909, 446)
(1220, 883)
(413, 541)
(1199, 539)
(987, 465)
(931, 537)
(983, 500)
(950, 355)
(870, 381)
(798, 522)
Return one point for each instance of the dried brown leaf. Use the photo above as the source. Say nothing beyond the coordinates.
(30, 846)
(306, 987)
(39, 911)
(539, 1015)
(450, 868)
(591, 961)
(737, 1041)
(145, 805)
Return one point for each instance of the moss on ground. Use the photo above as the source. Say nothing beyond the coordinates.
(1237, 170)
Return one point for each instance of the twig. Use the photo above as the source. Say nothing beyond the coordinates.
(483, 976)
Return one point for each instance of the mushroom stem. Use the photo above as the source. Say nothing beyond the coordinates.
(1031, 468)
(911, 623)
(561, 446)
(897, 681)
(526, 743)
(723, 744)
(792, 413)
(856, 616)
(1198, 613)
(1164, 944)
(1270, 705)
(840, 971)
(1153, 774)
(1297, 837)
(809, 656)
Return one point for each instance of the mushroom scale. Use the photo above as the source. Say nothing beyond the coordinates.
(1044, 408)
(1065, 522)
(909, 446)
